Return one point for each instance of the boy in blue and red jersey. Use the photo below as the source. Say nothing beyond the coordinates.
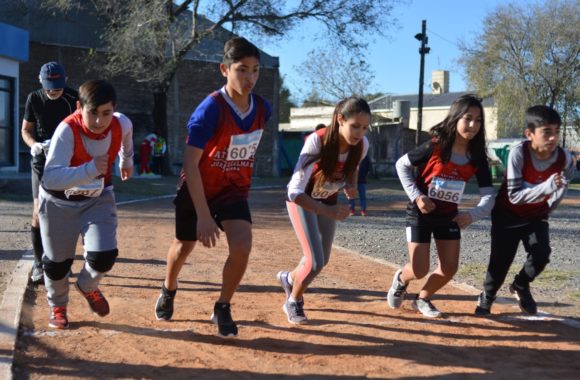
(224, 133)
(538, 172)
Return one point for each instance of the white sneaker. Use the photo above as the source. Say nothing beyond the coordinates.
(37, 276)
(425, 307)
(282, 276)
(397, 291)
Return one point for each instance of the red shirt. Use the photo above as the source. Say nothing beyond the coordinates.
(227, 163)
(80, 154)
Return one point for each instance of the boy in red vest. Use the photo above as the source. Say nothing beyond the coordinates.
(223, 135)
(538, 172)
(76, 196)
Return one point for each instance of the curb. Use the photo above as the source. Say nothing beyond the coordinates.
(10, 311)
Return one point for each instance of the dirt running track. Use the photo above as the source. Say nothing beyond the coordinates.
(352, 333)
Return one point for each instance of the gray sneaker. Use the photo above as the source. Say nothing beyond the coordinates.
(425, 307)
(295, 312)
(397, 291)
(282, 276)
(37, 276)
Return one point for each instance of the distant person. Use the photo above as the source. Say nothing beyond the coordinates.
(363, 171)
(455, 153)
(320, 126)
(223, 135)
(144, 157)
(77, 197)
(538, 173)
(326, 165)
(45, 108)
(159, 149)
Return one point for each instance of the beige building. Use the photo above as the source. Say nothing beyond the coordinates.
(435, 105)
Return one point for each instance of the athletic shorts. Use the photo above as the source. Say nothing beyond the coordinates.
(186, 217)
(37, 169)
(422, 234)
(420, 227)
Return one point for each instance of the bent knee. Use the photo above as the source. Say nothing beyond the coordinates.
(56, 270)
(102, 261)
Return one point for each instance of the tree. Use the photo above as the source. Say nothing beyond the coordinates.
(334, 73)
(285, 102)
(527, 55)
(147, 39)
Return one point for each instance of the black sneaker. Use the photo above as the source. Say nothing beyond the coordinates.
(527, 303)
(484, 303)
(164, 306)
(222, 317)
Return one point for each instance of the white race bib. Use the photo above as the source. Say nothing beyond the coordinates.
(243, 147)
(327, 190)
(92, 189)
(447, 190)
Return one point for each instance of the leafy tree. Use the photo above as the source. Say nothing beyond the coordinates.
(285, 102)
(525, 55)
(336, 74)
(147, 39)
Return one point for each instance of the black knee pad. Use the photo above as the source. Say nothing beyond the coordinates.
(102, 261)
(56, 271)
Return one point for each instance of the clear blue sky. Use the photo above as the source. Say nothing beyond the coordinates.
(395, 60)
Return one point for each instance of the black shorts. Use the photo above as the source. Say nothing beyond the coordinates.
(36, 172)
(420, 227)
(186, 217)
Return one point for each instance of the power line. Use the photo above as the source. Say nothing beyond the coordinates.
(444, 39)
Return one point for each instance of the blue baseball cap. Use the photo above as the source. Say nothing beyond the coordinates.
(52, 76)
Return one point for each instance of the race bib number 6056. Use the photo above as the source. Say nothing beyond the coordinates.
(446, 190)
(243, 147)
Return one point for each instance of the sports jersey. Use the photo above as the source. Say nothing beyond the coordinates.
(46, 113)
(443, 183)
(302, 181)
(528, 194)
(69, 162)
(229, 140)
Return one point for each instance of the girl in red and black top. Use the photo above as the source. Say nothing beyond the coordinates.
(455, 153)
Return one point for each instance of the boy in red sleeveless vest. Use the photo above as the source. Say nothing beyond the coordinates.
(223, 135)
(76, 197)
(538, 172)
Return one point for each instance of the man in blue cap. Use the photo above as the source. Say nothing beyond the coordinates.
(45, 109)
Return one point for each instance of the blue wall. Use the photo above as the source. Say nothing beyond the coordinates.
(13, 42)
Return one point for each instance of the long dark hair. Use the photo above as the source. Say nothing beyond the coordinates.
(329, 152)
(444, 133)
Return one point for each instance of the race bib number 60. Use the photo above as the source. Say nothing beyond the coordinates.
(243, 147)
(446, 190)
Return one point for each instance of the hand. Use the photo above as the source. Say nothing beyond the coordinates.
(559, 180)
(36, 149)
(102, 163)
(425, 204)
(126, 173)
(207, 232)
(350, 192)
(336, 212)
(463, 219)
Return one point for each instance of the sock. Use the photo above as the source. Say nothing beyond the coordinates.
(290, 280)
(36, 245)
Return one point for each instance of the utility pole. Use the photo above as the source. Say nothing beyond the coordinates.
(422, 51)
